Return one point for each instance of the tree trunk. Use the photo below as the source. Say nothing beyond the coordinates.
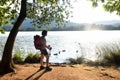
(5, 64)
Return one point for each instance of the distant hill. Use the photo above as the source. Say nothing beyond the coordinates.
(71, 26)
(111, 22)
(27, 23)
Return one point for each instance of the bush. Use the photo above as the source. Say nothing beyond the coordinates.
(72, 61)
(78, 60)
(32, 58)
(112, 58)
(18, 57)
(109, 55)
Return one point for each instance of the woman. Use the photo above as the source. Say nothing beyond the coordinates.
(44, 52)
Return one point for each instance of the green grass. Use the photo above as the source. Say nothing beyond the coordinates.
(109, 55)
(32, 58)
(19, 57)
(112, 58)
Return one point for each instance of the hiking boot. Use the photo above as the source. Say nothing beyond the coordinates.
(42, 67)
(48, 69)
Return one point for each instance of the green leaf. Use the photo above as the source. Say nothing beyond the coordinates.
(2, 31)
(95, 4)
(41, 1)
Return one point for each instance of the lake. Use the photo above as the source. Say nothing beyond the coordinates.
(66, 44)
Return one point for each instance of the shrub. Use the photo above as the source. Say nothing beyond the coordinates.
(32, 58)
(78, 60)
(112, 58)
(18, 57)
(36, 58)
(72, 61)
(109, 55)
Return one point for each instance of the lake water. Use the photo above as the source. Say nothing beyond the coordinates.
(66, 44)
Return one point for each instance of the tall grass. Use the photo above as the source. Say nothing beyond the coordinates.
(20, 56)
(32, 58)
(78, 60)
(109, 55)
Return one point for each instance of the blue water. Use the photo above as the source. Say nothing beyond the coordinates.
(66, 44)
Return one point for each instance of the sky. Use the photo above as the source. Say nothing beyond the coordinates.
(83, 12)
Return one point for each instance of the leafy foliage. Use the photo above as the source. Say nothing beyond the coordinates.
(108, 5)
(8, 11)
(43, 12)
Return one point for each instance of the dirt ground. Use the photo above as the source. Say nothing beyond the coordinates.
(63, 72)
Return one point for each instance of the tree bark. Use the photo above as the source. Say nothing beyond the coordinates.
(5, 64)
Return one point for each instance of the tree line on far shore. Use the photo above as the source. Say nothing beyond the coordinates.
(79, 27)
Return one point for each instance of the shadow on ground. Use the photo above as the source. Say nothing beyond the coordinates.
(36, 75)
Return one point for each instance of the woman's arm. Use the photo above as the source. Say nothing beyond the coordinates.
(45, 44)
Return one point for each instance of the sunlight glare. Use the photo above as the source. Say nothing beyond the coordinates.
(83, 12)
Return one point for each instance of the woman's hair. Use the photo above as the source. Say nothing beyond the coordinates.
(44, 32)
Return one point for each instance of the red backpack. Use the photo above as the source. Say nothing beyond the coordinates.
(37, 41)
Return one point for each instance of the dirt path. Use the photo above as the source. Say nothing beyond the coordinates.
(63, 72)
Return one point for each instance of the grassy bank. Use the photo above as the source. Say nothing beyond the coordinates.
(106, 56)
